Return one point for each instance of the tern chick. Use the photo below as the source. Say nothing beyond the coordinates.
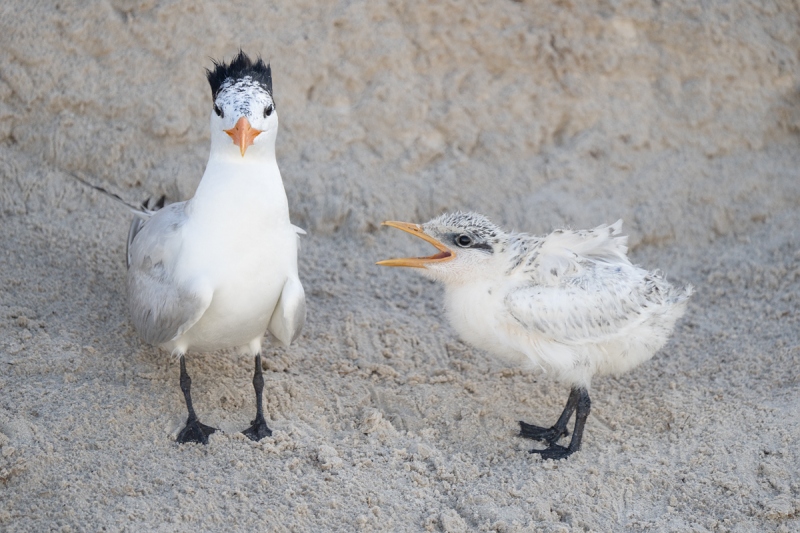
(569, 302)
(219, 270)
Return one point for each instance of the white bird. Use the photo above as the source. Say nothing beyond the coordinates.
(219, 270)
(570, 303)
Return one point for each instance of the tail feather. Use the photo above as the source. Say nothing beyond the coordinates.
(141, 213)
(117, 198)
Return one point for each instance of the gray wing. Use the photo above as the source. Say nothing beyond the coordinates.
(601, 302)
(579, 287)
(133, 230)
(290, 314)
(142, 214)
(162, 307)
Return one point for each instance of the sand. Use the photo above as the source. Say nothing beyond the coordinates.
(681, 118)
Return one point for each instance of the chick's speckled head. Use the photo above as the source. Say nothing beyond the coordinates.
(467, 243)
(465, 230)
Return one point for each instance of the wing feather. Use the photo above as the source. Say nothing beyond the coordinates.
(581, 310)
(161, 308)
(290, 314)
(582, 288)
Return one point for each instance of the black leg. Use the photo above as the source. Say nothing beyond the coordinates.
(559, 429)
(193, 431)
(582, 407)
(258, 430)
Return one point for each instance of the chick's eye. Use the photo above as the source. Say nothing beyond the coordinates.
(268, 110)
(218, 111)
(463, 240)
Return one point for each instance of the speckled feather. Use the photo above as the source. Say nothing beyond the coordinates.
(570, 302)
(240, 68)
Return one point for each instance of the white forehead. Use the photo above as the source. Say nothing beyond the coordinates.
(243, 95)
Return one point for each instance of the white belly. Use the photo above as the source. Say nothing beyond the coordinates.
(481, 319)
(247, 275)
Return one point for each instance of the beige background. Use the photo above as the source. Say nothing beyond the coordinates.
(682, 118)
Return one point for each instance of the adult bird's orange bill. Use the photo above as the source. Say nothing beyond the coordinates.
(243, 134)
(569, 302)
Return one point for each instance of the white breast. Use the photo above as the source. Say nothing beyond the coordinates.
(472, 310)
(239, 240)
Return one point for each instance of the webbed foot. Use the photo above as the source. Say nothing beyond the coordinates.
(549, 435)
(195, 431)
(258, 430)
(554, 451)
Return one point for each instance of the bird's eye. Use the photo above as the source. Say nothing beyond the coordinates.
(268, 110)
(218, 111)
(463, 240)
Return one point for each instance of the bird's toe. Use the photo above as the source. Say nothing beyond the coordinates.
(549, 435)
(195, 431)
(554, 451)
(258, 430)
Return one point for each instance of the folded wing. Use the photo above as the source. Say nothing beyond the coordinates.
(290, 314)
(582, 288)
(161, 308)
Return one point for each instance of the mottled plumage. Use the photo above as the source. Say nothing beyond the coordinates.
(240, 68)
(570, 303)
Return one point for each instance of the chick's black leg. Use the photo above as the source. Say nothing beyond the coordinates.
(194, 430)
(582, 408)
(258, 430)
(559, 429)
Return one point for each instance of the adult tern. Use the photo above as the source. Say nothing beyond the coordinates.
(219, 270)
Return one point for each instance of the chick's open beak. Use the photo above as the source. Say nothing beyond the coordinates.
(445, 254)
(243, 134)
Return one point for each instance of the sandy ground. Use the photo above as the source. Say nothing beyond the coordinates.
(681, 118)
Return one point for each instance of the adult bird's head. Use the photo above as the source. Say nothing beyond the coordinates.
(243, 112)
(467, 243)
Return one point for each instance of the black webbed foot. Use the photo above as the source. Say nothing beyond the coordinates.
(195, 431)
(258, 430)
(554, 451)
(580, 404)
(549, 435)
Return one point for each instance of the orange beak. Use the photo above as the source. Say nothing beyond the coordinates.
(242, 134)
(445, 253)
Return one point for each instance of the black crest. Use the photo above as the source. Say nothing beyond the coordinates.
(241, 67)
